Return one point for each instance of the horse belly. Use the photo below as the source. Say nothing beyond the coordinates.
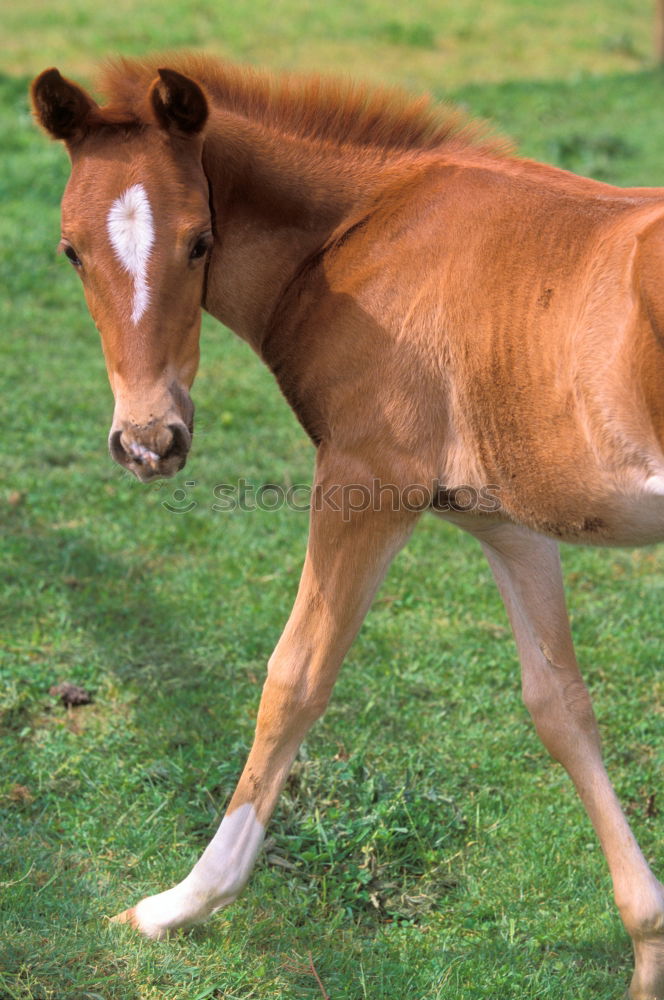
(627, 511)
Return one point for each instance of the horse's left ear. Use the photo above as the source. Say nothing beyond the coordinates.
(179, 104)
(61, 107)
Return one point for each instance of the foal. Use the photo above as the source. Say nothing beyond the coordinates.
(437, 312)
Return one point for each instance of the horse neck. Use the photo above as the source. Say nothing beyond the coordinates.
(276, 198)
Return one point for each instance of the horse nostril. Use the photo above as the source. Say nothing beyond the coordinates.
(181, 441)
(118, 453)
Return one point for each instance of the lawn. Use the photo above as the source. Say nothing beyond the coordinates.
(426, 847)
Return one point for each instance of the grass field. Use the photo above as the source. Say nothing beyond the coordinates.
(426, 847)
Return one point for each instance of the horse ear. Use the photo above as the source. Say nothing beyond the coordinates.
(60, 106)
(179, 104)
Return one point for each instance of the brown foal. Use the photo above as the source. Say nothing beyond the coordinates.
(437, 312)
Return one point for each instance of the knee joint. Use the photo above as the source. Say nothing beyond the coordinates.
(554, 691)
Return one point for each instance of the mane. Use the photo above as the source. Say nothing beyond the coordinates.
(313, 107)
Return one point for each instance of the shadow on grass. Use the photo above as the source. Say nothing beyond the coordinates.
(111, 597)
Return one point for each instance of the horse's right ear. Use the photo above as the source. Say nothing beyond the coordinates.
(60, 106)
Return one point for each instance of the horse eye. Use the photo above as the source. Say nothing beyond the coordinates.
(200, 247)
(71, 254)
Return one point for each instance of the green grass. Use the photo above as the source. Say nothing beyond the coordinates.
(426, 847)
(423, 44)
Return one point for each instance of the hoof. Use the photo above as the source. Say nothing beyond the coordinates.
(127, 917)
(145, 927)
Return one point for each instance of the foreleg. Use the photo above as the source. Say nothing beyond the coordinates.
(347, 555)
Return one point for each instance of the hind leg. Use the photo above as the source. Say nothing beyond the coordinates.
(527, 570)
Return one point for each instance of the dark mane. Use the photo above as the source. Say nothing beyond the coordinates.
(318, 108)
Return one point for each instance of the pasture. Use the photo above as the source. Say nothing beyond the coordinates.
(426, 847)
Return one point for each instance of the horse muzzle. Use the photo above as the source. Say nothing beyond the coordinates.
(151, 450)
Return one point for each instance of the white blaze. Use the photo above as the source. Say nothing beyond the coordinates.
(131, 232)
